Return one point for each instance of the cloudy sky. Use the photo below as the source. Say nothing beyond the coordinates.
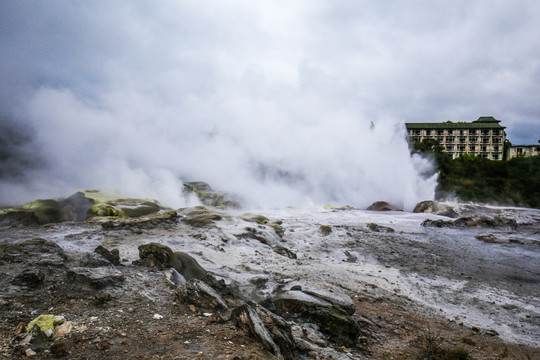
(305, 98)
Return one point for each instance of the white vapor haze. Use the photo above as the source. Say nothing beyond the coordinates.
(274, 101)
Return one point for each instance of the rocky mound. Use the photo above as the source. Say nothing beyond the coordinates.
(37, 265)
(81, 206)
(383, 206)
(211, 197)
(474, 221)
(437, 208)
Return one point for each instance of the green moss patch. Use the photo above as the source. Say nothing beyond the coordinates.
(46, 211)
(325, 229)
(334, 207)
(46, 323)
(259, 219)
(202, 220)
(105, 210)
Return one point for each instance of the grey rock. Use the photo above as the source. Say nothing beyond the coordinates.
(190, 267)
(162, 257)
(32, 278)
(424, 207)
(113, 256)
(46, 210)
(202, 295)
(473, 221)
(14, 217)
(36, 251)
(350, 257)
(489, 238)
(312, 333)
(271, 330)
(436, 208)
(174, 277)
(93, 260)
(97, 278)
(296, 296)
(139, 209)
(383, 206)
(283, 251)
(297, 301)
(246, 318)
(379, 228)
(339, 326)
(74, 207)
(202, 220)
(209, 196)
(280, 330)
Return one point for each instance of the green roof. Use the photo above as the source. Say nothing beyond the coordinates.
(483, 122)
(486, 119)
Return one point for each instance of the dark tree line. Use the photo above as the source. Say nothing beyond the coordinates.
(471, 178)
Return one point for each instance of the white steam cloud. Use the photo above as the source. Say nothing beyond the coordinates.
(269, 156)
(136, 98)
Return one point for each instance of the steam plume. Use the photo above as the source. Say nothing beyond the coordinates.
(140, 101)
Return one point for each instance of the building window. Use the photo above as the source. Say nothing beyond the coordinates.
(440, 132)
(496, 132)
(440, 139)
(485, 132)
(416, 132)
(473, 139)
(461, 132)
(495, 156)
(484, 155)
(462, 140)
(497, 140)
(449, 139)
(485, 140)
(496, 148)
(428, 132)
(472, 148)
(472, 132)
(483, 148)
(450, 131)
(449, 148)
(520, 151)
(461, 148)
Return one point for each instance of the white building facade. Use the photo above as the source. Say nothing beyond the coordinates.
(523, 151)
(484, 137)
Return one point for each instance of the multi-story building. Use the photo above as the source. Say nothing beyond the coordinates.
(523, 150)
(483, 137)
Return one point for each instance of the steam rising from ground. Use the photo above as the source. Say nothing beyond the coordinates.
(139, 103)
(256, 149)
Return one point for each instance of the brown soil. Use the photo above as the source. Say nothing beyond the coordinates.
(405, 334)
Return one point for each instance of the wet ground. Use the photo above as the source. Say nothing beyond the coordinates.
(466, 281)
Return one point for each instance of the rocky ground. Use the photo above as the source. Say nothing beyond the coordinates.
(333, 283)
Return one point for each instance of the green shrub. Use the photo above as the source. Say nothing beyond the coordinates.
(515, 182)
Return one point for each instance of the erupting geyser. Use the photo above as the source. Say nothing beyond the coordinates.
(139, 108)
